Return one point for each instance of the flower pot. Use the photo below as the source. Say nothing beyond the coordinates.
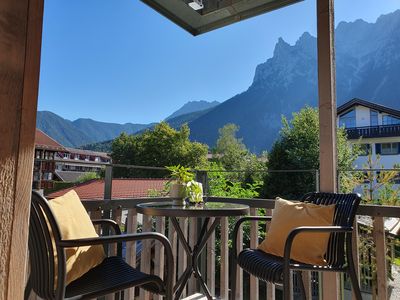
(178, 191)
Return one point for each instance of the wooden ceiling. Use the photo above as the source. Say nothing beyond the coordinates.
(214, 13)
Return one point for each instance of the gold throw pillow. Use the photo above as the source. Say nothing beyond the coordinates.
(74, 223)
(307, 247)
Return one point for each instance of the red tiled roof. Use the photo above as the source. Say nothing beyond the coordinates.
(121, 188)
(44, 141)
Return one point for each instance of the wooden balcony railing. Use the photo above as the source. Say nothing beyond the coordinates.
(217, 251)
(215, 258)
(373, 131)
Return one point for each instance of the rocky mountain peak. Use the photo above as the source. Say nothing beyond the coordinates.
(367, 64)
(281, 47)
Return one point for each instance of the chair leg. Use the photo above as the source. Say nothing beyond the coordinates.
(301, 284)
(354, 281)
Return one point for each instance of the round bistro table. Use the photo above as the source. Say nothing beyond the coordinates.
(205, 210)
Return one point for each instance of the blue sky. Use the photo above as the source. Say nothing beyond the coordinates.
(120, 61)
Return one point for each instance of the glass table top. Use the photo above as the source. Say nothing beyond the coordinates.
(206, 209)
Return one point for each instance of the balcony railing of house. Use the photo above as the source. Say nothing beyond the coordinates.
(373, 131)
(215, 263)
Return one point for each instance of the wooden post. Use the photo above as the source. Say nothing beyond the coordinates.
(159, 253)
(145, 257)
(20, 43)
(254, 290)
(327, 117)
(172, 236)
(182, 257)
(131, 248)
(381, 264)
(211, 261)
(356, 254)
(192, 283)
(224, 279)
(307, 282)
(239, 271)
(270, 286)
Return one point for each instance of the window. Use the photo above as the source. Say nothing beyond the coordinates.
(389, 120)
(373, 117)
(365, 149)
(348, 120)
(387, 148)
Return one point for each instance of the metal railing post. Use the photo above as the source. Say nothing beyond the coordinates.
(107, 193)
(317, 180)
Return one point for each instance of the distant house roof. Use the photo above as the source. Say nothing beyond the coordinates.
(121, 188)
(380, 108)
(43, 141)
(88, 152)
(69, 176)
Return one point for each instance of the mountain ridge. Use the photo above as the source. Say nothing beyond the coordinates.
(192, 106)
(367, 64)
(287, 81)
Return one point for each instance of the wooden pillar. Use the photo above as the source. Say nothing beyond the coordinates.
(20, 42)
(327, 117)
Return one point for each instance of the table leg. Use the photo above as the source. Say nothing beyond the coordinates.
(204, 236)
(193, 255)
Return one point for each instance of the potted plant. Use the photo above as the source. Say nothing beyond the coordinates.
(184, 186)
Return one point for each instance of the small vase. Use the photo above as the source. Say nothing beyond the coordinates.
(178, 192)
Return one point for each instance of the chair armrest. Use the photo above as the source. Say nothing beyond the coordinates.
(110, 239)
(237, 226)
(297, 230)
(108, 223)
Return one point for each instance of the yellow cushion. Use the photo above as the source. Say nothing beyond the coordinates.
(74, 223)
(307, 247)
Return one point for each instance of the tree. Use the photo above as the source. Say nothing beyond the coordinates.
(232, 153)
(298, 149)
(159, 147)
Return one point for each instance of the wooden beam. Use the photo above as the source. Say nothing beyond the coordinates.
(327, 117)
(20, 43)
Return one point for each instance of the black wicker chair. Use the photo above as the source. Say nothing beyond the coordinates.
(111, 276)
(339, 255)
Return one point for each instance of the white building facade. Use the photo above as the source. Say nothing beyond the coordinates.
(375, 127)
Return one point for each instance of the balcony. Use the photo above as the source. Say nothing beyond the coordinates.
(215, 260)
(373, 131)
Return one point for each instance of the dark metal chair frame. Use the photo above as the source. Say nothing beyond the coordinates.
(339, 255)
(43, 268)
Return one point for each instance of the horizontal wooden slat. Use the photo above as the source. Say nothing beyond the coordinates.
(365, 210)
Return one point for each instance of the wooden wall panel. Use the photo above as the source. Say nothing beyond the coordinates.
(20, 42)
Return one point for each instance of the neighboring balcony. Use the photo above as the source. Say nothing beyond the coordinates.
(373, 131)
